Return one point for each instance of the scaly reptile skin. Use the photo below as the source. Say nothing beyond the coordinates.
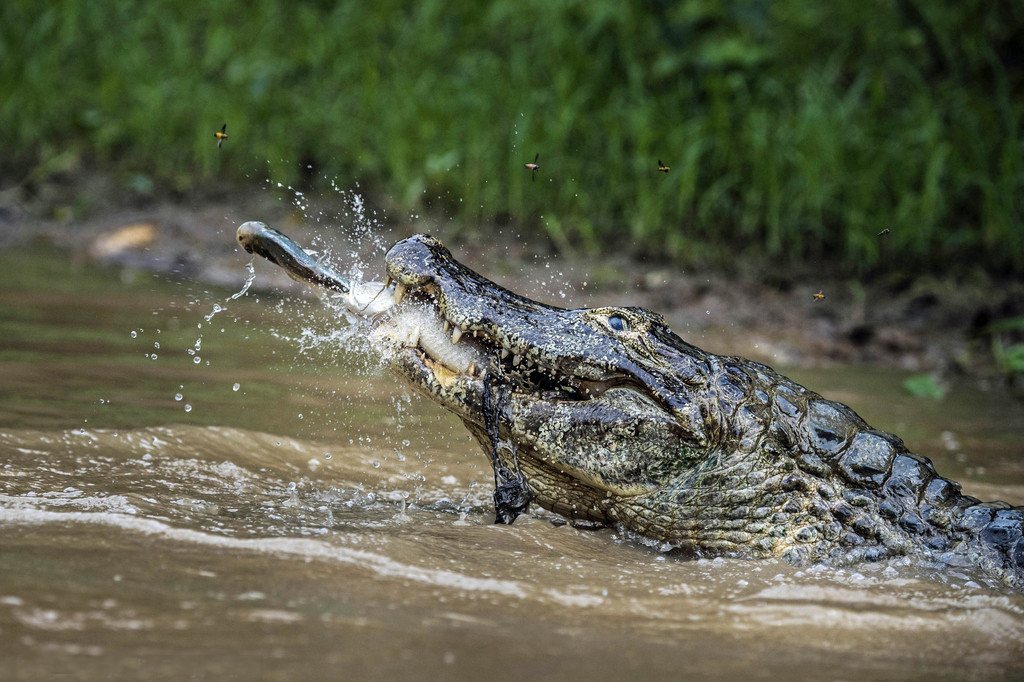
(606, 415)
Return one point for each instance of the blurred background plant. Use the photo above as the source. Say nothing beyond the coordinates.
(1007, 338)
(794, 129)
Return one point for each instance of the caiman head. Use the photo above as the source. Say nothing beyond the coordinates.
(594, 406)
(591, 405)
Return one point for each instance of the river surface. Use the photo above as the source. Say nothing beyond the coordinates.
(200, 487)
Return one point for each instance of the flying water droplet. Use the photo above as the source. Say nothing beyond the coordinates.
(235, 386)
(250, 277)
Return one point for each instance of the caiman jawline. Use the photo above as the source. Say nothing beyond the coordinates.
(422, 321)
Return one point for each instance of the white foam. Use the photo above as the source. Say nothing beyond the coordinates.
(306, 548)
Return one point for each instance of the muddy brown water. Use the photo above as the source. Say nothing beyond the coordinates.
(308, 518)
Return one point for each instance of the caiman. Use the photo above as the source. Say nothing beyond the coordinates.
(604, 415)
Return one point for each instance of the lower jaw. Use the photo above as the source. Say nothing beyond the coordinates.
(462, 395)
(454, 391)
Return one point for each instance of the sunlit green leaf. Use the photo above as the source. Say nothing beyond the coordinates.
(924, 386)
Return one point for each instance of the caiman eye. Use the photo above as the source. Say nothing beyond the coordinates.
(618, 323)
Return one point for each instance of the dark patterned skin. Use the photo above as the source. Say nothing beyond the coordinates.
(606, 415)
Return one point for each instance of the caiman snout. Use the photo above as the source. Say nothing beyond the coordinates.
(416, 260)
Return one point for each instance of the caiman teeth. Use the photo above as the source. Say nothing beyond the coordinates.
(399, 292)
(456, 335)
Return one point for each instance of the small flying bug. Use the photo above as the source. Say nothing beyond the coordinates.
(883, 232)
(662, 168)
(221, 135)
(533, 167)
(820, 296)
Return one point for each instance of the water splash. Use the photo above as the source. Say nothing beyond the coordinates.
(250, 277)
(217, 308)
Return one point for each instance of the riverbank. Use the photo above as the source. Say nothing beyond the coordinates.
(921, 322)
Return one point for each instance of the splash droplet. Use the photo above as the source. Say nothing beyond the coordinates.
(197, 359)
(188, 408)
(134, 334)
(235, 386)
(178, 397)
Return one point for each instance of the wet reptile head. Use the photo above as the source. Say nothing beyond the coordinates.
(596, 404)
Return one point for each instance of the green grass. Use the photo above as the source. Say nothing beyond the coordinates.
(794, 129)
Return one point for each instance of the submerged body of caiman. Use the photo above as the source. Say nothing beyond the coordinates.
(606, 415)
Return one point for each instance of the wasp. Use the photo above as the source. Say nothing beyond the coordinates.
(820, 296)
(221, 135)
(533, 167)
(883, 232)
(662, 168)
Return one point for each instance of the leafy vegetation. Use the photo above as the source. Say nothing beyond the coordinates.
(793, 128)
(924, 386)
(1008, 345)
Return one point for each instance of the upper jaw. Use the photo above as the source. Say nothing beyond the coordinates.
(452, 342)
(478, 326)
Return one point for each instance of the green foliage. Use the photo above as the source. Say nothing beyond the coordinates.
(793, 128)
(1010, 324)
(924, 386)
(1011, 358)
(1007, 349)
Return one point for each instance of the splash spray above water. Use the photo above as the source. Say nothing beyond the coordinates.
(358, 231)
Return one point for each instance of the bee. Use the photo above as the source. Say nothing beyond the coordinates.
(533, 167)
(883, 232)
(820, 296)
(221, 135)
(662, 168)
